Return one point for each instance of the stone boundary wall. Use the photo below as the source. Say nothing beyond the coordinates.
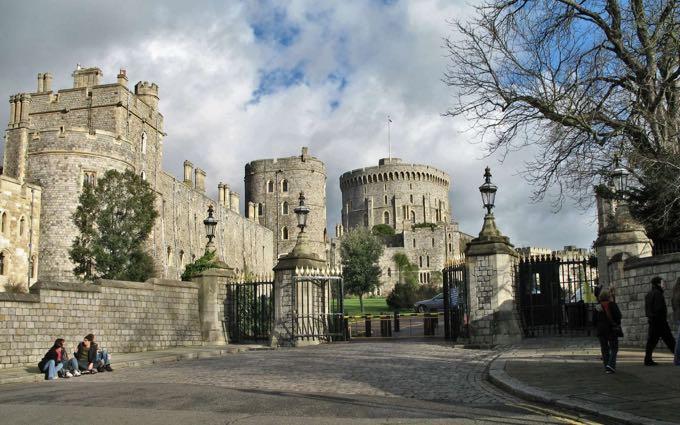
(124, 316)
(631, 276)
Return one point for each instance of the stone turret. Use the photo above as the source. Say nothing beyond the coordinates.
(86, 77)
(147, 93)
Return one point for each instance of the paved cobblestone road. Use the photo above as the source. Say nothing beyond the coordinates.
(369, 382)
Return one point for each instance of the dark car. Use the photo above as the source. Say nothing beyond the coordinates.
(433, 304)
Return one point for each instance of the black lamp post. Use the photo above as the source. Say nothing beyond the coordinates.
(620, 178)
(210, 224)
(488, 191)
(301, 212)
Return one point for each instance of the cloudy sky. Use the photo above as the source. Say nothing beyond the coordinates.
(259, 79)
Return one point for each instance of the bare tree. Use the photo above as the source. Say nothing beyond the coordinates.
(581, 80)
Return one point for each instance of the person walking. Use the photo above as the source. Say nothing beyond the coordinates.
(675, 302)
(657, 312)
(608, 324)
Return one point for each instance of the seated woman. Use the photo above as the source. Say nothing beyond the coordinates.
(89, 358)
(56, 362)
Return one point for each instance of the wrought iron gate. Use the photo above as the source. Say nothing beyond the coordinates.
(319, 307)
(556, 295)
(456, 306)
(249, 311)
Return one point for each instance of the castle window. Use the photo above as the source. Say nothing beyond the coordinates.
(260, 209)
(421, 261)
(2, 263)
(284, 185)
(270, 186)
(385, 199)
(410, 186)
(389, 272)
(449, 246)
(33, 267)
(413, 217)
(143, 142)
(414, 242)
(3, 223)
(22, 222)
(411, 198)
(143, 174)
(181, 258)
(284, 233)
(386, 217)
(385, 186)
(432, 242)
(169, 260)
(89, 178)
(428, 261)
(284, 208)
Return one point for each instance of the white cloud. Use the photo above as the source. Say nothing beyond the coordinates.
(208, 60)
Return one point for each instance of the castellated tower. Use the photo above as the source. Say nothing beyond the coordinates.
(272, 189)
(65, 139)
(394, 193)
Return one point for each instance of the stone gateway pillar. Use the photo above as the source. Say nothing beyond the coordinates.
(210, 281)
(490, 263)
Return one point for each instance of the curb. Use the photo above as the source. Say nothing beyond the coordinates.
(496, 375)
(34, 376)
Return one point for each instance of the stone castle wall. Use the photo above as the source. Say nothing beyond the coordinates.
(270, 203)
(124, 316)
(394, 193)
(63, 137)
(19, 232)
(631, 279)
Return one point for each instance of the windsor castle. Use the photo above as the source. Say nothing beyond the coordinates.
(59, 140)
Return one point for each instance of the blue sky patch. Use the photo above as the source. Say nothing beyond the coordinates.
(276, 28)
(277, 79)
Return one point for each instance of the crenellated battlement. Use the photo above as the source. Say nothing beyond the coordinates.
(148, 93)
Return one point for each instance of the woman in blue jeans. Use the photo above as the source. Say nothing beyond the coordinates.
(56, 362)
(608, 323)
(675, 302)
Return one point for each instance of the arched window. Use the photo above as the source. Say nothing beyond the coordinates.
(260, 209)
(389, 272)
(143, 175)
(421, 261)
(284, 185)
(2, 263)
(413, 217)
(169, 261)
(428, 261)
(386, 217)
(385, 199)
(270, 186)
(143, 142)
(89, 178)
(21, 226)
(181, 258)
(3, 223)
(449, 246)
(284, 233)
(284, 208)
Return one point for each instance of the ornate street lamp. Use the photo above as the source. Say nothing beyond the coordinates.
(210, 224)
(488, 191)
(620, 178)
(301, 212)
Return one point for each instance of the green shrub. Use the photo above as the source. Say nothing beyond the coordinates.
(207, 261)
(403, 295)
(382, 230)
(432, 226)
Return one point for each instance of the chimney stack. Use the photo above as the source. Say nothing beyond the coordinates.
(200, 180)
(40, 83)
(188, 171)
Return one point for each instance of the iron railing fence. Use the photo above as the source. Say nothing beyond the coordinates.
(249, 311)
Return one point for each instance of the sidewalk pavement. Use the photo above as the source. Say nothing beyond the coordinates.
(568, 373)
(145, 358)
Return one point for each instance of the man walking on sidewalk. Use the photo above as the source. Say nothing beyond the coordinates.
(657, 316)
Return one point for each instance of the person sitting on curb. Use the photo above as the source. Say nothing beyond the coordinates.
(56, 362)
(608, 322)
(90, 358)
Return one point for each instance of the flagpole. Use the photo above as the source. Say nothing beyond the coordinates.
(389, 142)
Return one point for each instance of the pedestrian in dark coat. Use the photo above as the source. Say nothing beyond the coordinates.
(608, 325)
(657, 312)
(675, 302)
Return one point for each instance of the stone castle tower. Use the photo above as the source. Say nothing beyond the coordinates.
(413, 199)
(62, 140)
(396, 194)
(272, 188)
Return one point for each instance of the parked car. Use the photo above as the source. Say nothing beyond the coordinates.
(433, 304)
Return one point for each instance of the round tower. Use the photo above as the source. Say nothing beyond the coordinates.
(272, 187)
(394, 193)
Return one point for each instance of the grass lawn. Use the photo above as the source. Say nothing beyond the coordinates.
(371, 306)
